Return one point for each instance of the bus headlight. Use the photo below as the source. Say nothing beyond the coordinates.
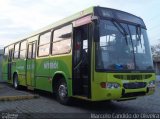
(151, 84)
(110, 85)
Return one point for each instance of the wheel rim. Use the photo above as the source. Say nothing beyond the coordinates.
(62, 91)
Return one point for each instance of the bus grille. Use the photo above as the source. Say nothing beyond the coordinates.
(134, 94)
(134, 85)
(133, 77)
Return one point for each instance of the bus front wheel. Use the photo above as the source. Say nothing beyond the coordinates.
(62, 93)
(15, 82)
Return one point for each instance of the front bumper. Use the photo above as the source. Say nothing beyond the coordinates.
(136, 93)
(122, 93)
(131, 85)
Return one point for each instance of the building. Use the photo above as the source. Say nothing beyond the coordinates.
(156, 62)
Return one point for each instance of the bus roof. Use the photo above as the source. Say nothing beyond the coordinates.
(59, 23)
(71, 18)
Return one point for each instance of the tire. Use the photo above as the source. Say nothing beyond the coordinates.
(62, 93)
(15, 82)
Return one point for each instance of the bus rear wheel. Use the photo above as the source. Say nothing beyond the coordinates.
(15, 82)
(62, 93)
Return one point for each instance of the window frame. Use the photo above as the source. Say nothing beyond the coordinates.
(45, 43)
(52, 38)
(17, 51)
(28, 51)
(6, 55)
(7, 51)
(22, 49)
(34, 43)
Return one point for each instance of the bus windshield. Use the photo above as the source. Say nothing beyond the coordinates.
(122, 47)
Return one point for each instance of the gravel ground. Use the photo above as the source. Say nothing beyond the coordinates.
(47, 105)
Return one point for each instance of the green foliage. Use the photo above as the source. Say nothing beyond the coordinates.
(155, 51)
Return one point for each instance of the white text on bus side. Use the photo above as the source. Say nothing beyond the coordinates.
(51, 65)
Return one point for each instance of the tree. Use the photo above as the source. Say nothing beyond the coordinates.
(155, 51)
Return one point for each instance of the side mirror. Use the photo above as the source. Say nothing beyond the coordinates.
(96, 30)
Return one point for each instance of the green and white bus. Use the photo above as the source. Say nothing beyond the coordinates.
(97, 54)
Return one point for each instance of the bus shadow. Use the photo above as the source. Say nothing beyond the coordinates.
(88, 106)
(103, 106)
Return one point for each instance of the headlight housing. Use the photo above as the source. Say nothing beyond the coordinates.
(110, 85)
(151, 83)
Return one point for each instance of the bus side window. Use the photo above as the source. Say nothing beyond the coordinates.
(81, 45)
(85, 52)
(44, 44)
(62, 40)
(6, 53)
(29, 54)
(22, 53)
(78, 47)
(34, 51)
(16, 51)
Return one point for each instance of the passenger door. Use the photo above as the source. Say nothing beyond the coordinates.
(30, 69)
(81, 61)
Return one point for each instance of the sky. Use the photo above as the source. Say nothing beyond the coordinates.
(21, 17)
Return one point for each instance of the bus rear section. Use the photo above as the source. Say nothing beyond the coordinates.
(7, 63)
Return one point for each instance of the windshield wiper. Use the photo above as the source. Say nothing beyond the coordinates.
(134, 58)
(121, 29)
(138, 33)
